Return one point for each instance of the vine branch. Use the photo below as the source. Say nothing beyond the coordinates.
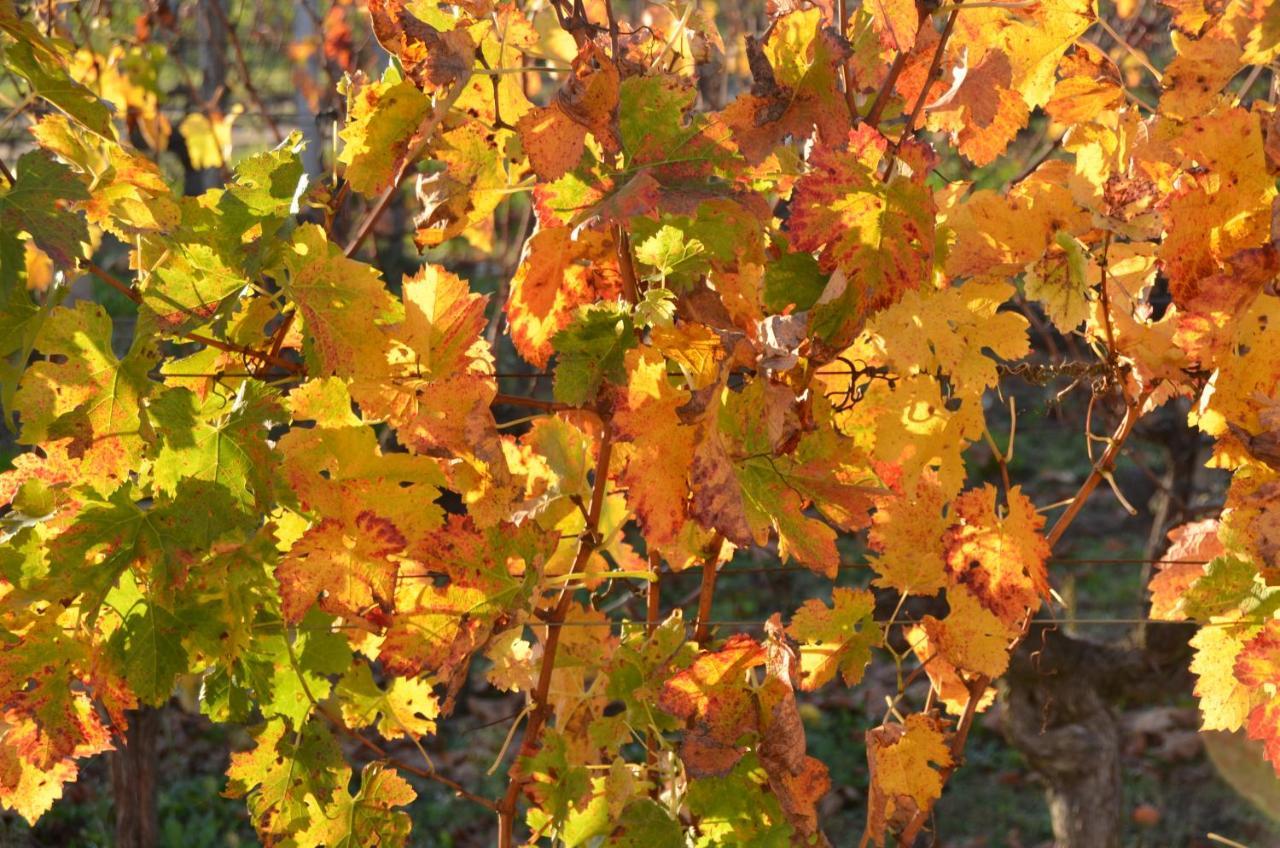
(979, 684)
(227, 347)
(541, 711)
(706, 593)
(935, 67)
(425, 133)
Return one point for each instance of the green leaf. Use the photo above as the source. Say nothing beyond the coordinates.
(164, 539)
(793, 279)
(265, 190)
(591, 350)
(48, 79)
(668, 250)
(1229, 583)
(188, 288)
(657, 308)
(149, 645)
(656, 126)
(560, 784)
(35, 203)
(644, 822)
(282, 773)
(20, 321)
(222, 440)
(737, 810)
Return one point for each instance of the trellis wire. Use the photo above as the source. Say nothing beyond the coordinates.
(851, 566)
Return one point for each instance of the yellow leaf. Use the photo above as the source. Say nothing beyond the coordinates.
(904, 762)
(208, 138)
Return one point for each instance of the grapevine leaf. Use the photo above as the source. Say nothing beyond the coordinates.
(341, 302)
(40, 63)
(367, 818)
(793, 279)
(263, 192)
(188, 288)
(405, 707)
(350, 570)
(150, 643)
(1059, 283)
(1223, 204)
(83, 392)
(341, 473)
(432, 50)
(796, 87)
(459, 198)
(1001, 559)
(28, 790)
(971, 638)
(36, 203)
(896, 22)
(557, 782)
(649, 421)
(221, 440)
(590, 351)
(554, 137)
(904, 779)
(160, 540)
(657, 128)
(835, 638)
(878, 234)
(907, 535)
(504, 39)
(1256, 666)
(1010, 59)
(1190, 545)
(1224, 701)
(713, 695)
(438, 392)
(559, 271)
(382, 118)
(438, 623)
(952, 330)
(1229, 584)
(283, 773)
(49, 720)
(735, 808)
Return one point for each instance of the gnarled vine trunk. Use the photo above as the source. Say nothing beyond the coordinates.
(1071, 739)
(133, 781)
(1058, 697)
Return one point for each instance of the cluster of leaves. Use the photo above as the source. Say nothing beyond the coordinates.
(292, 486)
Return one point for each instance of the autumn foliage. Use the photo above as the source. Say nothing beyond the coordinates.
(766, 322)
